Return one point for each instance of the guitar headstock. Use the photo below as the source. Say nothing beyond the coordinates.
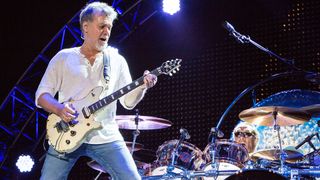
(170, 67)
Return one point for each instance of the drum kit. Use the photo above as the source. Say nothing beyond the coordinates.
(223, 158)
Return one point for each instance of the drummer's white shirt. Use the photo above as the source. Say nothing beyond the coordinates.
(71, 75)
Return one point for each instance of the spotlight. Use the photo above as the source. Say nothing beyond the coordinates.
(171, 6)
(25, 163)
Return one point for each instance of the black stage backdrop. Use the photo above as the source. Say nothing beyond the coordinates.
(215, 68)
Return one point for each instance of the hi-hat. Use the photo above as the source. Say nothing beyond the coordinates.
(144, 123)
(285, 116)
(292, 155)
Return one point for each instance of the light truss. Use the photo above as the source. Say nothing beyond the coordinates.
(19, 117)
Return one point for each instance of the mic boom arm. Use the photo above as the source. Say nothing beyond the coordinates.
(246, 39)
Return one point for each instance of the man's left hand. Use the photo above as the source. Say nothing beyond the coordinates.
(149, 79)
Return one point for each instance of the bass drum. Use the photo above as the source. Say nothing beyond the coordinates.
(254, 174)
(230, 156)
(189, 158)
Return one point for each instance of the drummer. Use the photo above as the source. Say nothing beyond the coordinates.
(246, 134)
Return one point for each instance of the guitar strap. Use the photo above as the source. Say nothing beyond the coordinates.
(106, 67)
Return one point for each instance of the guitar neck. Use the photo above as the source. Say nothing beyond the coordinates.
(119, 93)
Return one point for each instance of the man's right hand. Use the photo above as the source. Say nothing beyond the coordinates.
(66, 112)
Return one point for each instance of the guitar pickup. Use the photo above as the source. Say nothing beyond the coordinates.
(62, 126)
(86, 112)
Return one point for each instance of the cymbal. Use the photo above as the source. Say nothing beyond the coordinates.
(314, 110)
(137, 146)
(145, 155)
(141, 164)
(286, 116)
(274, 154)
(96, 166)
(144, 123)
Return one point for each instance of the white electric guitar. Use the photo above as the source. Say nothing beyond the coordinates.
(67, 137)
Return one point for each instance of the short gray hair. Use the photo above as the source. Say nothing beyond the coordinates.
(90, 9)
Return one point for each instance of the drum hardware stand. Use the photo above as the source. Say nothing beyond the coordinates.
(214, 133)
(283, 155)
(96, 178)
(184, 135)
(308, 140)
(295, 174)
(135, 132)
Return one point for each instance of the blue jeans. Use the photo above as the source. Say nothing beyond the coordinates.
(114, 157)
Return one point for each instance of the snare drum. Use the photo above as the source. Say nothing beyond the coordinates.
(229, 156)
(189, 157)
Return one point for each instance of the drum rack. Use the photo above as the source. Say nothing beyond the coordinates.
(293, 174)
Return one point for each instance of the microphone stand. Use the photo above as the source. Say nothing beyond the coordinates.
(246, 39)
(250, 88)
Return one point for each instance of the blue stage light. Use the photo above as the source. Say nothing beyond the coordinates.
(171, 6)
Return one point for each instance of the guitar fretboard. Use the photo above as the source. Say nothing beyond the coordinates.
(119, 93)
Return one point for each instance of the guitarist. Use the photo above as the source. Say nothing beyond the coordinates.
(73, 73)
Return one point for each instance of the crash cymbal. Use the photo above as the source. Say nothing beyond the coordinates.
(314, 110)
(137, 146)
(286, 116)
(274, 154)
(144, 123)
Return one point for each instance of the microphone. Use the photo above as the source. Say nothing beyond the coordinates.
(229, 27)
(307, 139)
(239, 37)
(184, 133)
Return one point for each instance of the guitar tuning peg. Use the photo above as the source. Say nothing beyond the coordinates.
(170, 74)
(174, 71)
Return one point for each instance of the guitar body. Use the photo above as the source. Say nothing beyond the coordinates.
(68, 140)
(67, 137)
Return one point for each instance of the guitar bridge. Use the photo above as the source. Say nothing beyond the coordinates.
(62, 126)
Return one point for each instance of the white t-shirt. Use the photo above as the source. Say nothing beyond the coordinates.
(71, 75)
